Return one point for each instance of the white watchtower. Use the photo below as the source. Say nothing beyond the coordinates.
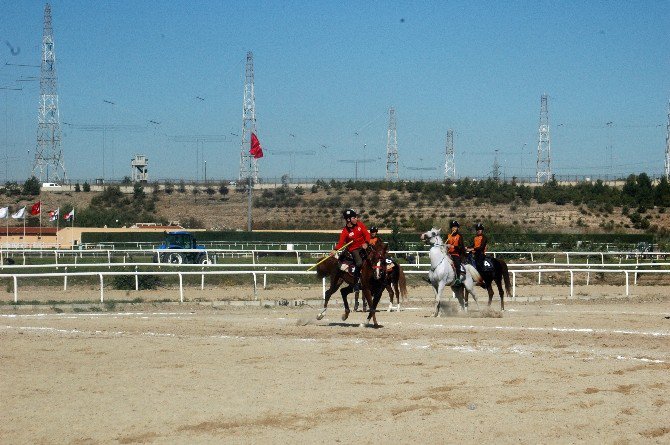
(139, 166)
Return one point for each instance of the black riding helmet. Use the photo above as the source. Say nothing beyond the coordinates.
(479, 226)
(454, 223)
(349, 213)
(374, 229)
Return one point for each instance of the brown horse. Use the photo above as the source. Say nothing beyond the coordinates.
(373, 276)
(396, 286)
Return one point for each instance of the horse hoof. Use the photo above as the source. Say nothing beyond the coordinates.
(321, 315)
(345, 315)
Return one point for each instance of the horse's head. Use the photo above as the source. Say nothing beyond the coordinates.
(378, 260)
(432, 236)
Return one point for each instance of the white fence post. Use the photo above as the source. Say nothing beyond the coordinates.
(572, 284)
(513, 284)
(626, 272)
(65, 280)
(181, 289)
(16, 289)
(323, 284)
(102, 287)
(137, 280)
(202, 280)
(255, 295)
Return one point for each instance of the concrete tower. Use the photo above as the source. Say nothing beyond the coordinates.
(48, 164)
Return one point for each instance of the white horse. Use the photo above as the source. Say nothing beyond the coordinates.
(443, 273)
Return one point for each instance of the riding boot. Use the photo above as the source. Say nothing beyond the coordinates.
(357, 280)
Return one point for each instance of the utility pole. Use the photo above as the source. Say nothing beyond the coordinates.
(449, 162)
(392, 148)
(667, 146)
(543, 170)
(48, 153)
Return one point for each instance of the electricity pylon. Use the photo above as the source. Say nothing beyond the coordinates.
(48, 153)
(392, 148)
(543, 170)
(248, 165)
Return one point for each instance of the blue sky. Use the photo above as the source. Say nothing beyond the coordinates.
(328, 72)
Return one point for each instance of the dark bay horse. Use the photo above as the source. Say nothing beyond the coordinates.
(494, 269)
(373, 278)
(396, 286)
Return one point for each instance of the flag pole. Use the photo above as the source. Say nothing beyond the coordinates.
(57, 221)
(24, 225)
(40, 219)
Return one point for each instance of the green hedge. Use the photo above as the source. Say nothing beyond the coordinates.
(284, 237)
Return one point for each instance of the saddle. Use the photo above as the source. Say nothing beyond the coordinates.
(346, 262)
(487, 265)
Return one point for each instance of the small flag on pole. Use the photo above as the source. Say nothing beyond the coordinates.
(53, 215)
(4, 212)
(256, 149)
(69, 216)
(35, 209)
(21, 213)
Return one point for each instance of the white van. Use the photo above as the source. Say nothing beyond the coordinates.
(51, 186)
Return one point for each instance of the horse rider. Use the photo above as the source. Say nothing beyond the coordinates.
(456, 250)
(356, 232)
(478, 248)
(374, 239)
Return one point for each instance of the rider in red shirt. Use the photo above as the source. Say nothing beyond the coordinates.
(356, 232)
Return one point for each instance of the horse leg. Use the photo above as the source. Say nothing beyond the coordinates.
(389, 289)
(335, 283)
(356, 301)
(438, 295)
(396, 290)
(373, 307)
(346, 291)
(501, 292)
(489, 289)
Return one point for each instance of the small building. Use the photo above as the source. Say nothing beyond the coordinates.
(140, 171)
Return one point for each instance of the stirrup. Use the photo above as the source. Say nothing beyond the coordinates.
(357, 286)
(457, 282)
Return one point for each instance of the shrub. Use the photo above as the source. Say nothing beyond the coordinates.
(127, 282)
(86, 187)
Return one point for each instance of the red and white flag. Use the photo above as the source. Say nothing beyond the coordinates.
(69, 215)
(35, 209)
(256, 149)
(53, 215)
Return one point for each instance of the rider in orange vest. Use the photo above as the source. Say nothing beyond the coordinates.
(356, 232)
(456, 250)
(374, 239)
(478, 247)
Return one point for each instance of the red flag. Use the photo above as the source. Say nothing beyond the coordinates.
(256, 149)
(35, 209)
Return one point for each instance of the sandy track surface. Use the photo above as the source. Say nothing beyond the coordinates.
(570, 372)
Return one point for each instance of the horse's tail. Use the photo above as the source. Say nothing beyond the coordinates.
(402, 284)
(505, 274)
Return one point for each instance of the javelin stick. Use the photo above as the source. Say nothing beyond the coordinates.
(324, 259)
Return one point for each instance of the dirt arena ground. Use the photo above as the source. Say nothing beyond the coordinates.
(560, 371)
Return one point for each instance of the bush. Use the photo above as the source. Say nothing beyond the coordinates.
(31, 187)
(77, 188)
(127, 282)
(86, 187)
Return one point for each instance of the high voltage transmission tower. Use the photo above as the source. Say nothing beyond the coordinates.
(667, 146)
(48, 153)
(392, 148)
(248, 165)
(449, 162)
(543, 171)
